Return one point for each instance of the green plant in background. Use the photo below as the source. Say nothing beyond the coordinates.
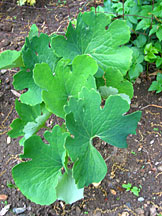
(153, 53)
(136, 67)
(150, 52)
(61, 79)
(132, 152)
(145, 20)
(107, 9)
(22, 2)
(156, 129)
(157, 85)
(135, 190)
(61, 2)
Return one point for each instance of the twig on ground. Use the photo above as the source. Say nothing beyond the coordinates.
(151, 105)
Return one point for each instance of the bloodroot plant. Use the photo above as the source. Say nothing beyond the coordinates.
(66, 76)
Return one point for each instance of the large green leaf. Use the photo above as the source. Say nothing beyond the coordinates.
(91, 37)
(66, 82)
(86, 120)
(11, 59)
(38, 178)
(32, 118)
(67, 189)
(36, 50)
(115, 79)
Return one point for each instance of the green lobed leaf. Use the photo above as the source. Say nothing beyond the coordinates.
(135, 191)
(105, 91)
(24, 79)
(127, 186)
(135, 71)
(150, 52)
(67, 189)
(156, 85)
(66, 82)
(31, 119)
(11, 59)
(33, 31)
(90, 37)
(85, 120)
(38, 178)
(115, 79)
(136, 67)
(36, 50)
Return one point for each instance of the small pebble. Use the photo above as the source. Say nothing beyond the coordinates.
(153, 211)
(152, 141)
(140, 212)
(96, 185)
(19, 210)
(141, 199)
(159, 168)
(157, 163)
(29, 208)
(3, 197)
(8, 140)
(118, 180)
(113, 192)
(139, 149)
(138, 81)
(3, 71)
(125, 214)
(5, 210)
(134, 105)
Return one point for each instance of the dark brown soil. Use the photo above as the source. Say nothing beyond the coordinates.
(140, 164)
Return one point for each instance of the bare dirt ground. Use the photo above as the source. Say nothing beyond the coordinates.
(140, 164)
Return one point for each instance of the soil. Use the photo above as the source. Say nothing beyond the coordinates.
(140, 164)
